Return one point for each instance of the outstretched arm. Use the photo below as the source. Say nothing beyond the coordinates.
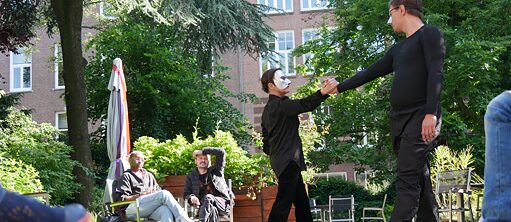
(381, 67)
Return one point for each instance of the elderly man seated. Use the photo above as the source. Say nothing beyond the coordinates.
(205, 186)
(154, 203)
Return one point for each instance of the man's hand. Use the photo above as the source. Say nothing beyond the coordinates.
(429, 128)
(195, 201)
(329, 86)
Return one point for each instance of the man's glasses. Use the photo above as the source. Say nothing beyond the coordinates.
(390, 11)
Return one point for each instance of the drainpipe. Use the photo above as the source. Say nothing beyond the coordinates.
(241, 78)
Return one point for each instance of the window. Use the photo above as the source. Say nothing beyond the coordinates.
(21, 71)
(58, 76)
(342, 175)
(363, 178)
(61, 121)
(279, 5)
(309, 34)
(106, 10)
(307, 5)
(283, 46)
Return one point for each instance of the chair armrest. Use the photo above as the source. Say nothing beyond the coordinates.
(120, 203)
(372, 208)
(43, 195)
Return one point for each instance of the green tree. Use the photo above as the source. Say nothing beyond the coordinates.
(166, 95)
(477, 68)
(19, 21)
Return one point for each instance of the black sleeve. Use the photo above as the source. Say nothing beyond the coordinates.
(219, 160)
(293, 107)
(381, 67)
(433, 46)
(266, 142)
(187, 193)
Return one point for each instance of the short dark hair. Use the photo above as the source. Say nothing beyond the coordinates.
(267, 78)
(414, 7)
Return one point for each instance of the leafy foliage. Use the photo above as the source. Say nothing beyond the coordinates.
(35, 144)
(17, 23)
(166, 94)
(18, 176)
(477, 67)
(174, 157)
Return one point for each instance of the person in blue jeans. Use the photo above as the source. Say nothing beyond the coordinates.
(497, 176)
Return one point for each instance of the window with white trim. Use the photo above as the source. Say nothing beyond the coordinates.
(332, 175)
(309, 34)
(61, 121)
(21, 71)
(307, 5)
(283, 44)
(363, 178)
(58, 67)
(106, 10)
(279, 5)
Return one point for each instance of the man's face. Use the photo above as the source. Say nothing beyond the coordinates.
(395, 17)
(202, 161)
(137, 161)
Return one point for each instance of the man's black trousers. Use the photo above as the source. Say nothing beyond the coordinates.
(413, 185)
(291, 191)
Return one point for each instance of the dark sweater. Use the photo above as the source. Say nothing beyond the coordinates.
(280, 129)
(418, 64)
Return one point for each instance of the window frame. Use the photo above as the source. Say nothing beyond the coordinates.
(278, 11)
(12, 66)
(102, 11)
(57, 121)
(56, 67)
(310, 8)
(285, 68)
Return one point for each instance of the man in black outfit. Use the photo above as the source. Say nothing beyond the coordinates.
(281, 141)
(205, 186)
(417, 63)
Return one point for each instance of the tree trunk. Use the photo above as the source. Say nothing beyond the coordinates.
(69, 15)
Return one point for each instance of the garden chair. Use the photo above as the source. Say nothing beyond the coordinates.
(113, 209)
(455, 182)
(377, 209)
(44, 195)
(315, 210)
(339, 205)
(194, 211)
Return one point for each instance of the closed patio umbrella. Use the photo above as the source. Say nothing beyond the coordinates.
(118, 128)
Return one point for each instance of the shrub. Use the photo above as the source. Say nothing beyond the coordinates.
(18, 176)
(174, 157)
(36, 144)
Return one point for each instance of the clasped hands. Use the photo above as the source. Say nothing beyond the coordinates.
(329, 86)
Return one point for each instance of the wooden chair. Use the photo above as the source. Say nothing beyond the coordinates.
(377, 209)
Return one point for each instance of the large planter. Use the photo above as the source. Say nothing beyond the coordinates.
(246, 209)
(174, 184)
(269, 195)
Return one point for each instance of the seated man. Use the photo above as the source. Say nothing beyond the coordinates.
(205, 186)
(155, 203)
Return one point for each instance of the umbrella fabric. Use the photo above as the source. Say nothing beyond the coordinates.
(118, 130)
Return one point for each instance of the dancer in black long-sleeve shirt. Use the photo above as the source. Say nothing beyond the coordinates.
(417, 63)
(281, 141)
